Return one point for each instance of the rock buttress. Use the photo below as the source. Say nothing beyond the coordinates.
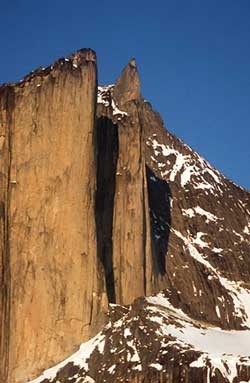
(132, 265)
(55, 286)
(128, 221)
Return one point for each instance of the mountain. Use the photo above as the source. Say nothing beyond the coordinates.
(117, 234)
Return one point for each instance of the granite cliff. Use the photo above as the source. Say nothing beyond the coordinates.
(111, 225)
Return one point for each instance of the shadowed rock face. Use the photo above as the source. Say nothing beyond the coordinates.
(107, 151)
(99, 203)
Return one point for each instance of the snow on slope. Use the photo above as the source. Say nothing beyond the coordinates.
(220, 349)
(239, 294)
(79, 358)
(208, 221)
(191, 167)
(166, 326)
(104, 97)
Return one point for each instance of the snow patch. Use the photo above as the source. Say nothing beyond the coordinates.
(239, 294)
(191, 212)
(104, 97)
(157, 366)
(78, 359)
(191, 167)
(127, 332)
(221, 348)
(111, 369)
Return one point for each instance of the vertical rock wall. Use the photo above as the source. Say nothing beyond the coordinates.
(128, 222)
(133, 272)
(54, 289)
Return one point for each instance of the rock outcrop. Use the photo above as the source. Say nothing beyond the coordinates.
(101, 204)
(51, 287)
(130, 242)
(152, 341)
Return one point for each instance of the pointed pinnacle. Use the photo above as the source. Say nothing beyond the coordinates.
(127, 87)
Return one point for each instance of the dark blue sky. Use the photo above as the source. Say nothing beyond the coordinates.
(193, 58)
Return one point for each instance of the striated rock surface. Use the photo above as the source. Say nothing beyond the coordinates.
(52, 288)
(101, 204)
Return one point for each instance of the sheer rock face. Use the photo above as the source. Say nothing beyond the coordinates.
(130, 251)
(127, 87)
(51, 287)
(129, 221)
(100, 203)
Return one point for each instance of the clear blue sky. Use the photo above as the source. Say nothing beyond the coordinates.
(193, 58)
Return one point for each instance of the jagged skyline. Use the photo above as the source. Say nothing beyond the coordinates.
(193, 59)
(101, 206)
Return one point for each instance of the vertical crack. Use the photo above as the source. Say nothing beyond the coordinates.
(107, 154)
(159, 197)
(8, 98)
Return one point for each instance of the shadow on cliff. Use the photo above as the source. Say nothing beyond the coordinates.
(106, 145)
(159, 197)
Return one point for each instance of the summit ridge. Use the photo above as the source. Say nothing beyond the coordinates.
(116, 237)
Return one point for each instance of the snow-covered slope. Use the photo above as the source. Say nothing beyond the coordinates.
(201, 231)
(148, 339)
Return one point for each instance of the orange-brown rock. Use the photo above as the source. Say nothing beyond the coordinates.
(51, 286)
(195, 237)
(127, 87)
(130, 247)
(100, 203)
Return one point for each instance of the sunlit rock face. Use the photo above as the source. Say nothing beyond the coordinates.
(193, 222)
(101, 204)
(51, 287)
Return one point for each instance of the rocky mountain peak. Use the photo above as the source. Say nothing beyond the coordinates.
(127, 87)
(117, 237)
(83, 55)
